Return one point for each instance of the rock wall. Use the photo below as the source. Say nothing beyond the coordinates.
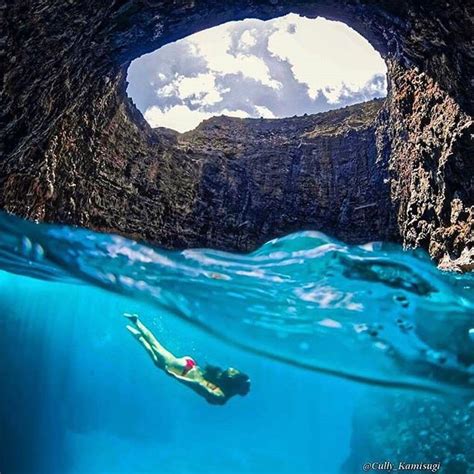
(262, 178)
(73, 148)
(412, 428)
(429, 147)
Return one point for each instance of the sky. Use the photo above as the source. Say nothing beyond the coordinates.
(287, 66)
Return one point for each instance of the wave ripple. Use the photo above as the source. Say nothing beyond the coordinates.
(371, 313)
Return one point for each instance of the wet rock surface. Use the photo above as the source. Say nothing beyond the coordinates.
(75, 150)
(413, 429)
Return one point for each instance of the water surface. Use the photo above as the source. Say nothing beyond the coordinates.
(80, 395)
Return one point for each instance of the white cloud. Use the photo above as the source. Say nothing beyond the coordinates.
(201, 87)
(278, 68)
(325, 55)
(214, 44)
(264, 112)
(247, 40)
(182, 119)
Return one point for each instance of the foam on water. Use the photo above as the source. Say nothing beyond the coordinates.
(371, 313)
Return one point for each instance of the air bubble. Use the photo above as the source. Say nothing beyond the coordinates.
(381, 346)
(436, 357)
(360, 327)
(26, 246)
(405, 326)
(304, 346)
(403, 300)
(38, 253)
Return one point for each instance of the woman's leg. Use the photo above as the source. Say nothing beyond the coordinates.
(161, 352)
(139, 337)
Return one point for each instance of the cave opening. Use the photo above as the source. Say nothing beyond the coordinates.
(76, 150)
(287, 66)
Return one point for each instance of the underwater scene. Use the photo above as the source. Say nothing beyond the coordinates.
(357, 356)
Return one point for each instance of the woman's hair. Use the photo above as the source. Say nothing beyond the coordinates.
(230, 381)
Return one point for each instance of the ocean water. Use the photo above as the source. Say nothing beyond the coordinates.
(318, 325)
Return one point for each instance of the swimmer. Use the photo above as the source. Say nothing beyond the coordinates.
(217, 386)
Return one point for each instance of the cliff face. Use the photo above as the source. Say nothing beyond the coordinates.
(258, 179)
(428, 143)
(73, 148)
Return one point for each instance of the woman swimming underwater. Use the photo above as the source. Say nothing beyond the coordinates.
(215, 385)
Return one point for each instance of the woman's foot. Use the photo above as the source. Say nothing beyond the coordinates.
(132, 317)
(135, 332)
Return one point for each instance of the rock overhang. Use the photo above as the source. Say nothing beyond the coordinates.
(69, 133)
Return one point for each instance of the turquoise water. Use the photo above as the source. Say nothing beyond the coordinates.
(317, 324)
